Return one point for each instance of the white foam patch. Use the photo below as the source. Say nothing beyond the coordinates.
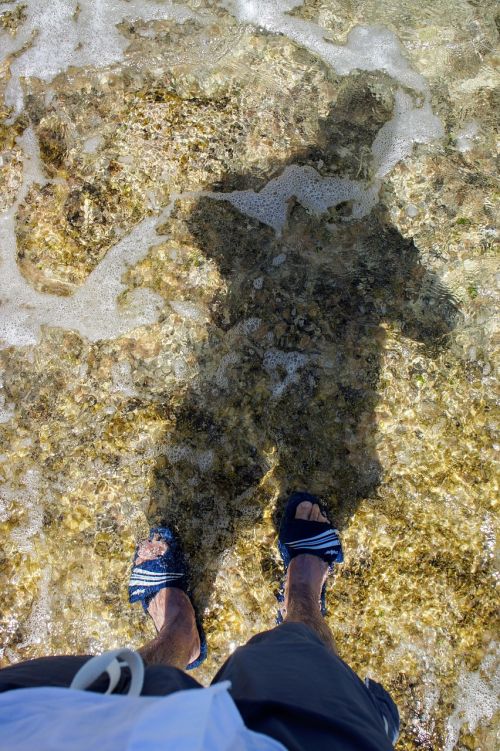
(92, 144)
(422, 726)
(245, 328)
(61, 36)
(289, 363)
(408, 125)
(477, 697)
(221, 378)
(314, 192)
(366, 48)
(39, 619)
(4, 509)
(197, 277)
(30, 499)
(6, 410)
(201, 459)
(122, 381)
(93, 309)
(189, 310)
(249, 325)
(258, 283)
(467, 137)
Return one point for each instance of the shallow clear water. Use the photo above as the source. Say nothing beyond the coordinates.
(250, 247)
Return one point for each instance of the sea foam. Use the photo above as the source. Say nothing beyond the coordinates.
(314, 192)
(283, 368)
(477, 696)
(56, 35)
(368, 48)
(61, 33)
(93, 310)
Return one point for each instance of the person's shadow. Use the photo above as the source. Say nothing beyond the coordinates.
(288, 378)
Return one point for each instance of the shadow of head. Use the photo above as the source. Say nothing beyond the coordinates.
(288, 376)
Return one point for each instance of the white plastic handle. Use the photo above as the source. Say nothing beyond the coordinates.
(109, 663)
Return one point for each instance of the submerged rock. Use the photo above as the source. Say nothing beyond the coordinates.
(231, 270)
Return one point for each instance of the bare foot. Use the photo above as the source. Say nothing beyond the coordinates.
(306, 573)
(171, 608)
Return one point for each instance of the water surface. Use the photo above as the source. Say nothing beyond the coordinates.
(247, 248)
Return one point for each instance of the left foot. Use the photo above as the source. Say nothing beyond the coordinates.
(170, 607)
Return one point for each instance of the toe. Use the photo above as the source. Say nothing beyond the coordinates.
(149, 549)
(316, 514)
(303, 510)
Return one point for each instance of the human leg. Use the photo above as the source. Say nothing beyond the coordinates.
(177, 642)
(166, 656)
(305, 579)
(289, 682)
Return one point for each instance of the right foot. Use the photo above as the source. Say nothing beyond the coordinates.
(306, 573)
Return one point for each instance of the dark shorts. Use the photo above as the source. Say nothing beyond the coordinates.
(285, 684)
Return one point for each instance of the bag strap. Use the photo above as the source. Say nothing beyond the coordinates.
(112, 663)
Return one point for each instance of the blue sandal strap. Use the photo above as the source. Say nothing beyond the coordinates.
(315, 538)
(298, 536)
